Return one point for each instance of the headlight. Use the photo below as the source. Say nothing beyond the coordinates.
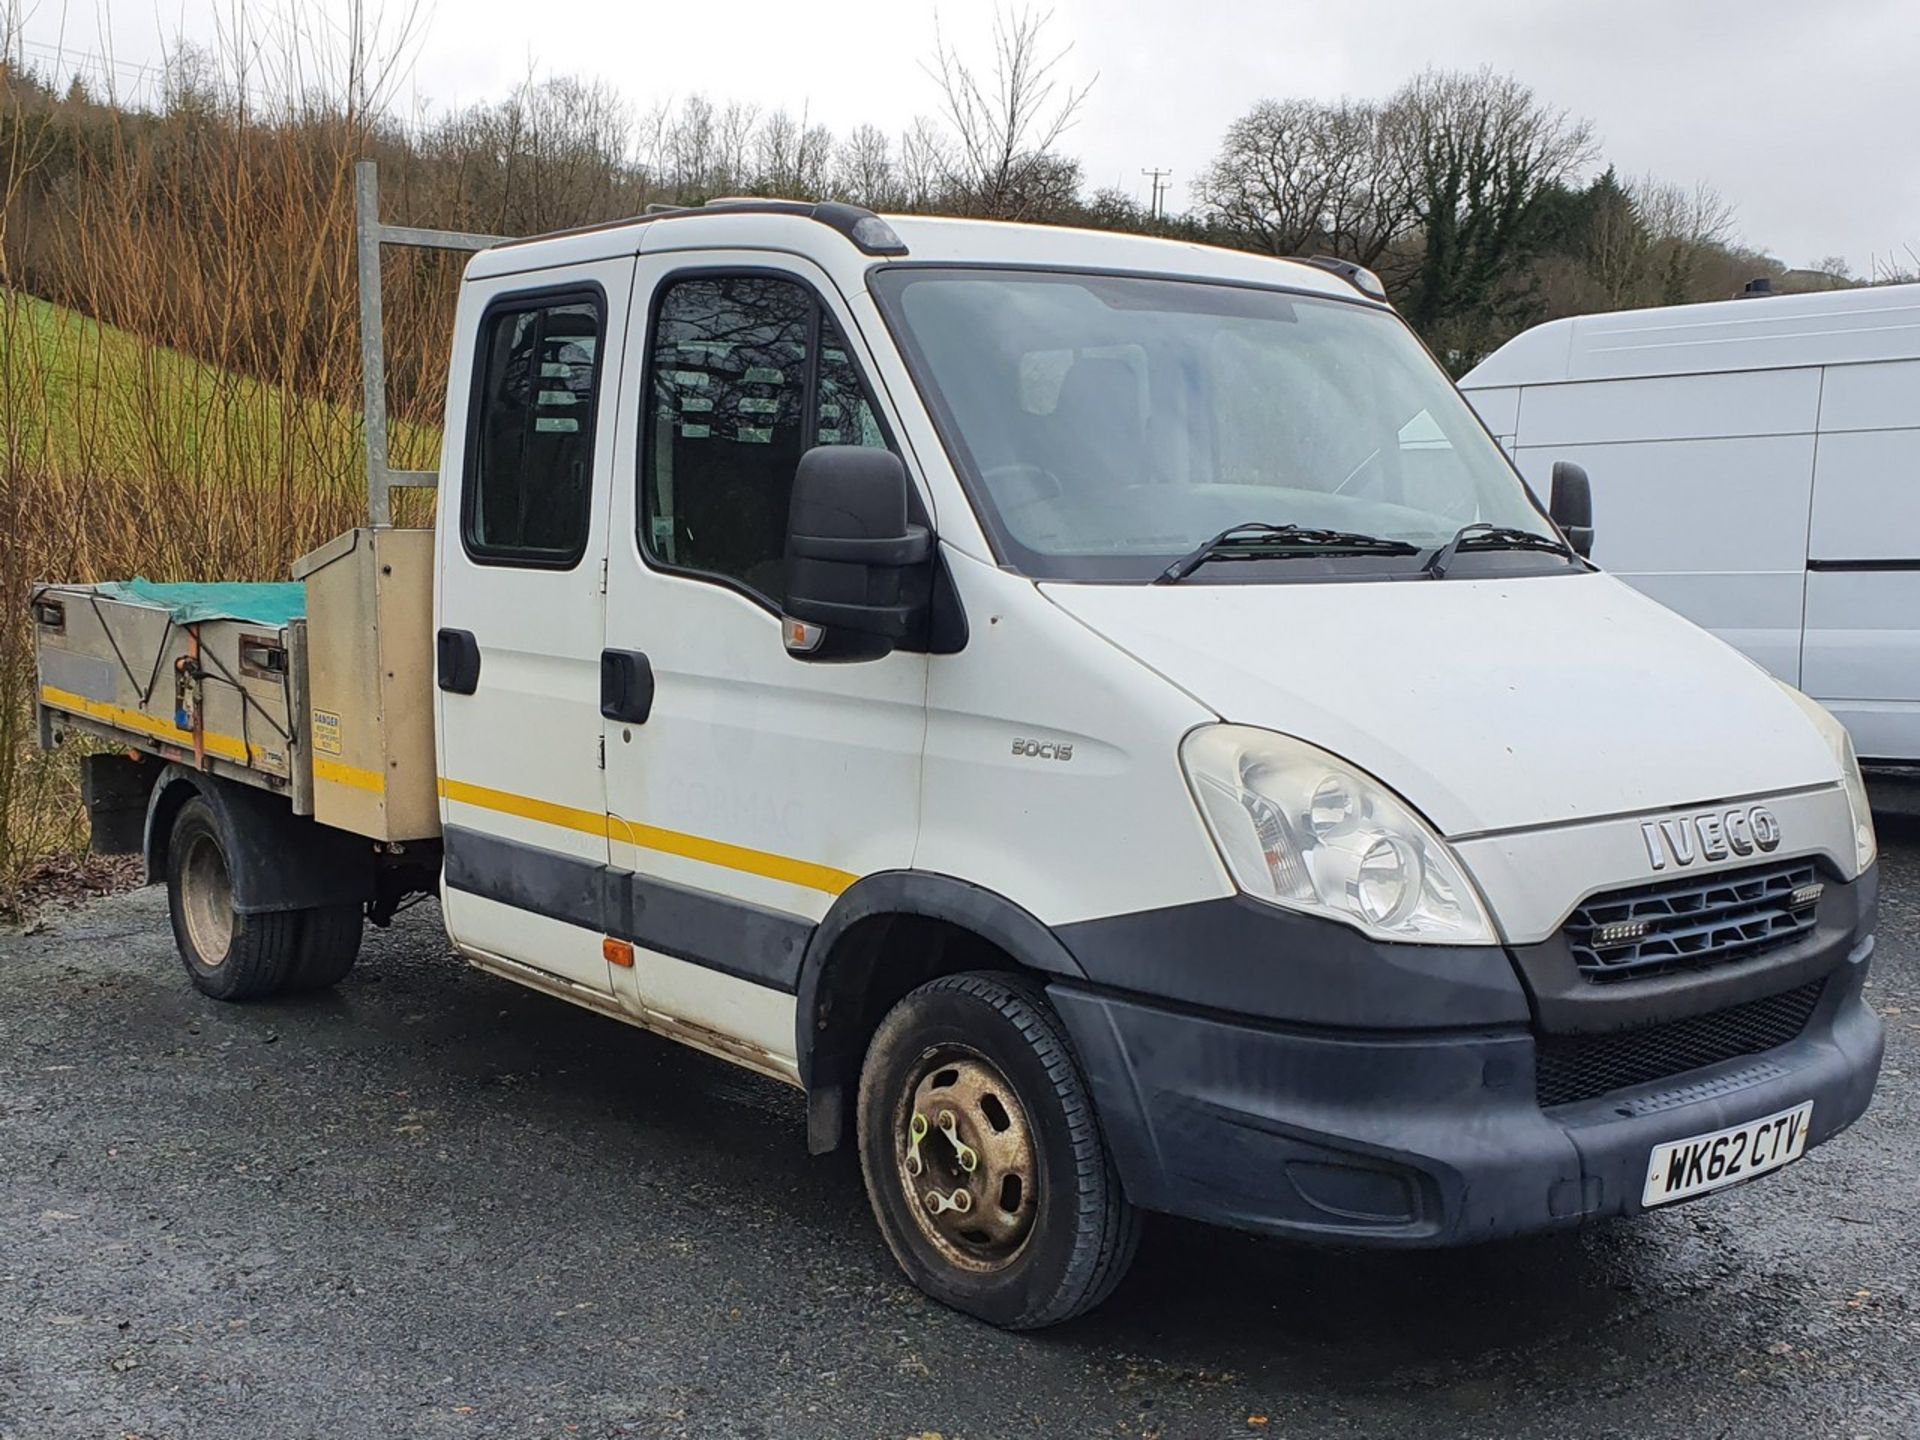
(1865, 846)
(1302, 829)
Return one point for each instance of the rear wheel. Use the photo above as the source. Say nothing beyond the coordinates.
(228, 955)
(329, 943)
(983, 1160)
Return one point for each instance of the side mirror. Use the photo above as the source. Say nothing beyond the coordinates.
(1571, 505)
(858, 571)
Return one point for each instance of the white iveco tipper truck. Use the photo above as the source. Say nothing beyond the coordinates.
(1099, 715)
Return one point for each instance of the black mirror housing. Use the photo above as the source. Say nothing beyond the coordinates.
(859, 571)
(1571, 505)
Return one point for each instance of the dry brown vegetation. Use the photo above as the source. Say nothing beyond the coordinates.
(179, 379)
(187, 408)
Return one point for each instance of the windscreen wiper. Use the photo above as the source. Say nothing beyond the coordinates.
(1257, 541)
(1483, 535)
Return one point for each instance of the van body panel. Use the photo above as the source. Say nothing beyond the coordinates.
(1863, 656)
(1662, 512)
(1755, 466)
(1499, 411)
(1052, 771)
(1834, 327)
(519, 757)
(755, 783)
(1866, 496)
(1675, 407)
(1548, 721)
(1882, 396)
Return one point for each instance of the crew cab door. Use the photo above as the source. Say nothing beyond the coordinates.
(531, 428)
(745, 789)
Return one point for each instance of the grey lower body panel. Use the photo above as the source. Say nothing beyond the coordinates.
(735, 937)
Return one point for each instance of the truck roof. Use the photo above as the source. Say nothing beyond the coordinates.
(927, 240)
(1828, 327)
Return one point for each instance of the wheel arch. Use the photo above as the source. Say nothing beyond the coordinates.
(885, 935)
(276, 860)
(175, 786)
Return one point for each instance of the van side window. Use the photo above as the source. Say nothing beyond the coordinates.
(748, 372)
(528, 494)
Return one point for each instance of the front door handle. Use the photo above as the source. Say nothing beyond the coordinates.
(626, 686)
(457, 661)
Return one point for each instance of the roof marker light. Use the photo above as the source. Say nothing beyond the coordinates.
(1358, 276)
(876, 236)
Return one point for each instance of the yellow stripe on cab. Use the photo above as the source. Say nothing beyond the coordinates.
(804, 873)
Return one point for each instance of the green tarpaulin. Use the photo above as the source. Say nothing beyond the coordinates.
(259, 603)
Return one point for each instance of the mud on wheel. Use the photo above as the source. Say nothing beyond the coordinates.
(228, 955)
(983, 1159)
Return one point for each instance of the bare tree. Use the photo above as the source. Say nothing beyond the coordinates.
(776, 154)
(1298, 176)
(924, 164)
(863, 169)
(1683, 226)
(1618, 243)
(1006, 122)
(1901, 267)
(733, 166)
(1479, 151)
(690, 147)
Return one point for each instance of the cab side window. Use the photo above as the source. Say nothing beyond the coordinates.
(528, 491)
(748, 372)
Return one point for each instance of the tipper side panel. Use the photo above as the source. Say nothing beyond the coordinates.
(215, 693)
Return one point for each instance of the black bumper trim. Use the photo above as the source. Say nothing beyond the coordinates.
(1245, 957)
(1419, 1139)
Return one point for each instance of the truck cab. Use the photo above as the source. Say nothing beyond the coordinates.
(1104, 718)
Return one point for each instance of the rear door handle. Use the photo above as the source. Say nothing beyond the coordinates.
(457, 661)
(626, 686)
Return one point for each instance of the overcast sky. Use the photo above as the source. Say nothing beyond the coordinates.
(1802, 113)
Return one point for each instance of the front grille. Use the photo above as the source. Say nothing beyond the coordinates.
(1692, 923)
(1570, 1068)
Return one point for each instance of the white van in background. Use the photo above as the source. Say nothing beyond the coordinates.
(1755, 466)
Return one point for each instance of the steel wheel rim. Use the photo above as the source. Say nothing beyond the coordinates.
(206, 901)
(966, 1159)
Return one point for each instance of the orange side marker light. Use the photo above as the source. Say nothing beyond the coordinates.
(618, 952)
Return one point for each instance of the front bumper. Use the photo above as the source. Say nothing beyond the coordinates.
(1421, 1138)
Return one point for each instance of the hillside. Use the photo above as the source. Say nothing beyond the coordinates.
(79, 398)
(119, 457)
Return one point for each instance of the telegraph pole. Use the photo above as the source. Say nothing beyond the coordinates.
(1159, 178)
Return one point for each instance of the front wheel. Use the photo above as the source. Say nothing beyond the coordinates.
(983, 1159)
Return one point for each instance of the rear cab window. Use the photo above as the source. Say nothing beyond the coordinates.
(527, 497)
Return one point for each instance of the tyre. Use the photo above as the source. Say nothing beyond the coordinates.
(228, 956)
(328, 944)
(983, 1159)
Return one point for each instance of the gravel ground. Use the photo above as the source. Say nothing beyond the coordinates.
(432, 1204)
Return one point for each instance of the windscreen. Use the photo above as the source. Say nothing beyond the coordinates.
(1108, 423)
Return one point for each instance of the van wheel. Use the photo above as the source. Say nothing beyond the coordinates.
(329, 943)
(983, 1159)
(227, 955)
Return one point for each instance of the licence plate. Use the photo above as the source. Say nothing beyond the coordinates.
(1680, 1168)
